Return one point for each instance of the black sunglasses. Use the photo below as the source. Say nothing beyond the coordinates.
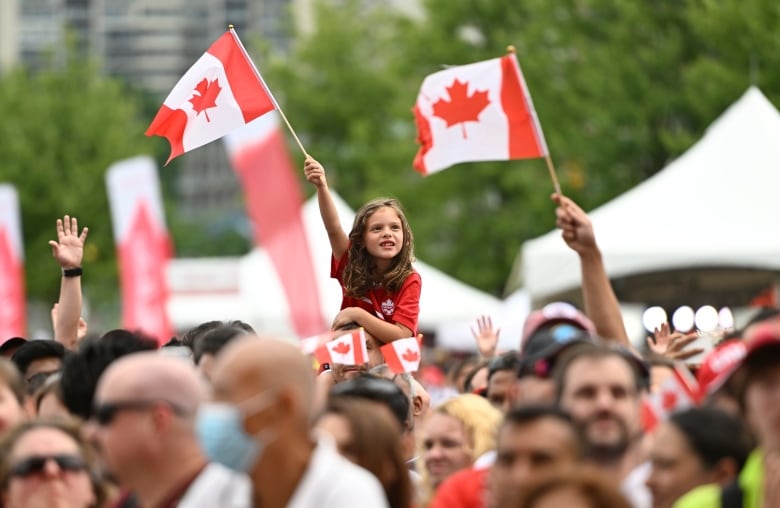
(104, 414)
(35, 464)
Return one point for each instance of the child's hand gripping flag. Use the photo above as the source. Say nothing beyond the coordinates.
(221, 92)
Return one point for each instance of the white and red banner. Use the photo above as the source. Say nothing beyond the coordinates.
(402, 355)
(477, 112)
(12, 302)
(348, 349)
(143, 245)
(680, 391)
(273, 199)
(220, 92)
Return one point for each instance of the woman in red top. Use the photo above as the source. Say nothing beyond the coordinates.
(373, 264)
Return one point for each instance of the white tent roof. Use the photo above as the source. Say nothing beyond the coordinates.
(715, 206)
(256, 295)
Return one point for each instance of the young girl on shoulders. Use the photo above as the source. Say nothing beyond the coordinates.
(380, 288)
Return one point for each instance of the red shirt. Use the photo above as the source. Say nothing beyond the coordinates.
(463, 489)
(401, 307)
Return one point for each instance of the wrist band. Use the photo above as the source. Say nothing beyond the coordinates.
(72, 272)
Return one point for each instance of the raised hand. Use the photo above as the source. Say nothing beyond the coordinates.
(68, 250)
(314, 172)
(672, 345)
(485, 336)
(575, 224)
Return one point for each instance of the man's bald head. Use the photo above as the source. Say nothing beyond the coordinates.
(151, 376)
(250, 366)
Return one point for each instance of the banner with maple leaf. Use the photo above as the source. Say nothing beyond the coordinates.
(680, 391)
(12, 301)
(143, 245)
(219, 93)
(402, 355)
(476, 112)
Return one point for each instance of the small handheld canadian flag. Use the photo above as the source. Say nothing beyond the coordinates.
(476, 112)
(309, 345)
(349, 349)
(678, 392)
(220, 92)
(402, 355)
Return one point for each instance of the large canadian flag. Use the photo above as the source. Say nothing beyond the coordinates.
(273, 201)
(12, 304)
(143, 245)
(402, 355)
(221, 92)
(476, 112)
(348, 349)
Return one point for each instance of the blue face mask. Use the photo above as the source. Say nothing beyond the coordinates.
(220, 430)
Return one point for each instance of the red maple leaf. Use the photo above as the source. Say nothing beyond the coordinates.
(669, 400)
(205, 96)
(342, 348)
(410, 356)
(461, 107)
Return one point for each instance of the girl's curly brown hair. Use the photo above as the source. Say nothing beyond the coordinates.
(360, 273)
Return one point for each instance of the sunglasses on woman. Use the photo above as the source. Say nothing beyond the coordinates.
(34, 465)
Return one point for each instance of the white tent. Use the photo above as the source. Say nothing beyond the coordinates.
(709, 220)
(248, 288)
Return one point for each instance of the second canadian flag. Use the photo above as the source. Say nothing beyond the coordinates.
(476, 112)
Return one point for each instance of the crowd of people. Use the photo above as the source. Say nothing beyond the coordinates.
(223, 416)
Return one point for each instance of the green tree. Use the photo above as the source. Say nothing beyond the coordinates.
(62, 127)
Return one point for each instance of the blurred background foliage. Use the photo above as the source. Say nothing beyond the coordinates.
(621, 88)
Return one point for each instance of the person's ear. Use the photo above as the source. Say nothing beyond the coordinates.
(417, 406)
(724, 472)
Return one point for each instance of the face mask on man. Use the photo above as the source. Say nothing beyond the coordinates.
(220, 430)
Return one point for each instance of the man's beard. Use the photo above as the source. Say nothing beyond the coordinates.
(606, 452)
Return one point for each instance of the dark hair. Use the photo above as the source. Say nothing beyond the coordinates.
(36, 350)
(376, 445)
(592, 485)
(191, 337)
(598, 350)
(505, 361)
(755, 366)
(378, 389)
(82, 369)
(213, 342)
(10, 375)
(713, 435)
(523, 415)
(467, 386)
(360, 271)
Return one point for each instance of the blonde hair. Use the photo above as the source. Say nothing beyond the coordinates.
(360, 272)
(480, 422)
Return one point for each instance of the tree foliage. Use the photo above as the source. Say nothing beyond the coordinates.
(621, 88)
(62, 127)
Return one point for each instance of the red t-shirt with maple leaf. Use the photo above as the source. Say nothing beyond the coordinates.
(402, 307)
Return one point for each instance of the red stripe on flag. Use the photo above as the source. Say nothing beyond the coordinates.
(525, 137)
(169, 123)
(242, 78)
(12, 303)
(424, 139)
(274, 200)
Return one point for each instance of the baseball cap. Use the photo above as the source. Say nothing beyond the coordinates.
(11, 344)
(551, 314)
(543, 347)
(718, 366)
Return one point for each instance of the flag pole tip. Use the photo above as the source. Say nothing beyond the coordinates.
(230, 27)
(510, 49)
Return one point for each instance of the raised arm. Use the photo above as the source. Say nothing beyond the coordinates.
(68, 250)
(315, 174)
(601, 304)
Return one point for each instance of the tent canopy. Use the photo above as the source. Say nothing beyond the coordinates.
(705, 225)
